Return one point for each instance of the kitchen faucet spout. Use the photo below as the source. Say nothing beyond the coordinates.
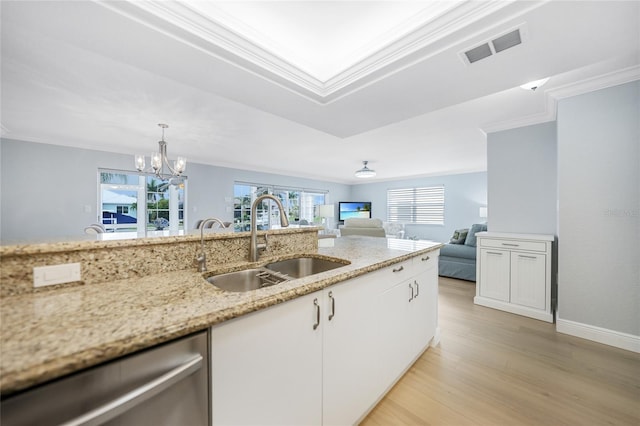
(202, 257)
(254, 247)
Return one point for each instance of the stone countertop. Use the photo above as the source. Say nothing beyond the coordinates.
(46, 335)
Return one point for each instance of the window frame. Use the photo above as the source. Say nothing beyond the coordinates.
(297, 207)
(177, 199)
(424, 205)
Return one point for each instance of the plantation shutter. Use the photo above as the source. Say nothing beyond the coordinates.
(416, 205)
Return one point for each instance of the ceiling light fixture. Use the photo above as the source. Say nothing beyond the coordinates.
(365, 172)
(533, 85)
(159, 160)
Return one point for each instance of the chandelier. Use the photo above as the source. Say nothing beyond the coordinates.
(159, 160)
(365, 172)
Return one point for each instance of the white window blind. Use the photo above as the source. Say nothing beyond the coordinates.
(416, 205)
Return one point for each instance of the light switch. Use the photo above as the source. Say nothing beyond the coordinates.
(56, 274)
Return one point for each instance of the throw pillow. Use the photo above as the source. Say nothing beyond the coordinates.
(471, 236)
(459, 236)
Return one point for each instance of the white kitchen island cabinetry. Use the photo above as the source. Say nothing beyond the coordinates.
(349, 383)
(407, 314)
(424, 307)
(394, 322)
(514, 273)
(268, 371)
(266, 367)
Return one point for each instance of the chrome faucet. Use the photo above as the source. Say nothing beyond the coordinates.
(254, 247)
(202, 257)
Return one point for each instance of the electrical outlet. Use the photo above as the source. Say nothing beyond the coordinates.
(56, 274)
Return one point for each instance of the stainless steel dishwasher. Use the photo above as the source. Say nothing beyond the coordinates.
(165, 385)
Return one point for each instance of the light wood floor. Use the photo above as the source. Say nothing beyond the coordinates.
(496, 368)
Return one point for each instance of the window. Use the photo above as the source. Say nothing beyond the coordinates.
(122, 208)
(164, 201)
(299, 205)
(416, 205)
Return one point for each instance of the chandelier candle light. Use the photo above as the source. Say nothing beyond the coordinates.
(159, 160)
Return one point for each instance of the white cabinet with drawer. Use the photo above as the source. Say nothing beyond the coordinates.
(325, 357)
(514, 273)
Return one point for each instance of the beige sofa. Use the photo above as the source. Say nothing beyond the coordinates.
(359, 226)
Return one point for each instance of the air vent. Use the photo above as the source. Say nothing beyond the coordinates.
(477, 53)
(498, 44)
(506, 41)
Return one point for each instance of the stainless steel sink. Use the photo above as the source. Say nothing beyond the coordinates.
(304, 266)
(273, 273)
(246, 280)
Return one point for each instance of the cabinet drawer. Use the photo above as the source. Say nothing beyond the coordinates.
(513, 245)
(425, 261)
(396, 273)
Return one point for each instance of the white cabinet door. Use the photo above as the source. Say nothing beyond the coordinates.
(495, 274)
(424, 306)
(350, 377)
(528, 271)
(396, 334)
(267, 367)
(514, 273)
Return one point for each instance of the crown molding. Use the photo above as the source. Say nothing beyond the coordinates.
(613, 78)
(424, 35)
(185, 25)
(552, 96)
(212, 36)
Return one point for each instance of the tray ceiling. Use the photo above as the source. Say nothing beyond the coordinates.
(330, 83)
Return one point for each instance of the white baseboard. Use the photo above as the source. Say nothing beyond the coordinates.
(513, 308)
(625, 341)
(436, 338)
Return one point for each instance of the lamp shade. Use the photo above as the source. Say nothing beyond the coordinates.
(326, 210)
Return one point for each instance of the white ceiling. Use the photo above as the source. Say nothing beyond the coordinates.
(301, 88)
(322, 38)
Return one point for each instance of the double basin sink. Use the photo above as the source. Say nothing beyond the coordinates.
(274, 273)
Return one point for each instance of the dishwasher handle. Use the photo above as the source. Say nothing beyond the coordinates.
(137, 396)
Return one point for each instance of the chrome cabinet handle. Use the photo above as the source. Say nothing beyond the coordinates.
(137, 396)
(333, 306)
(315, 303)
(417, 288)
(411, 287)
(401, 268)
(511, 245)
(424, 259)
(527, 257)
(494, 252)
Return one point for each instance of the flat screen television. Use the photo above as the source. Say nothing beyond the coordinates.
(349, 209)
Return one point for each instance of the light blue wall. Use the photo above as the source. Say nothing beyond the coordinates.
(599, 209)
(211, 189)
(50, 192)
(464, 195)
(522, 180)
